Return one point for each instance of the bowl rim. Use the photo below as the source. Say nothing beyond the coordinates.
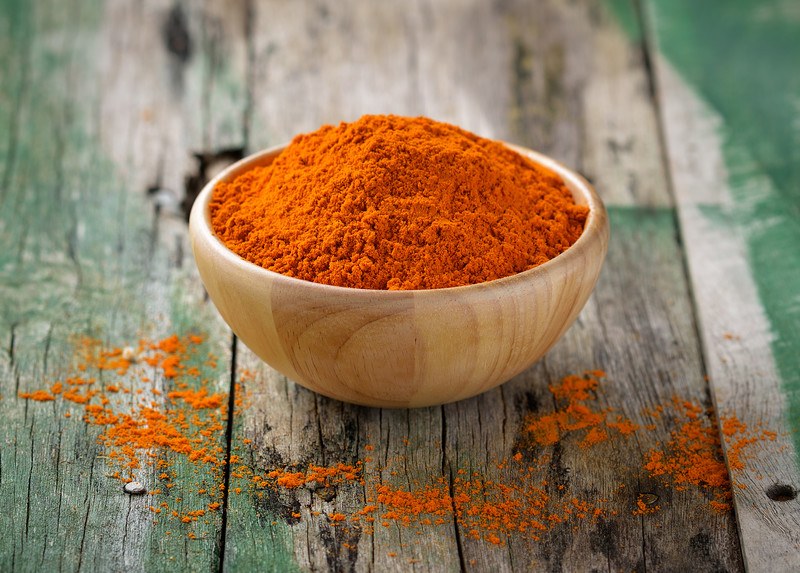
(594, 229)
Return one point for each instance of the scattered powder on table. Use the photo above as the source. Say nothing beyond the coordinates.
(148, 432)
(390, 202)
(577, 413)
(691, 457)
(141, 427)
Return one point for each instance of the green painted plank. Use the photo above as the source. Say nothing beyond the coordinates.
(756, 95)
(728, 91)
(85, 252)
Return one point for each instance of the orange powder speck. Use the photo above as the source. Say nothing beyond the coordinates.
(643, 509)
(576, 413)
(171, 344)
(198, 399)
(623, 426)
(492, 538)
(292, 480)
(720, 506)
(739, 438)
(38, 396)
(693, 455)
(594, 436)
(171, 365)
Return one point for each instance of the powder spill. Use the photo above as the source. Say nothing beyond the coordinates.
(145, 430)
(141, 428)
(692, 455)
(577, 414)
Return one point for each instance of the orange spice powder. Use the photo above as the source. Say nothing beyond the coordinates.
(38, 395)
(389, 202)
(143, 433)
(188, 423)
(692, 457)
(576, 413)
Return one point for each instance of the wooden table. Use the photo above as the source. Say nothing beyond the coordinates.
(682, 113)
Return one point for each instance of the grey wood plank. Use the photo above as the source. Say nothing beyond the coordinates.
(563, 79)
(102, 105)
(536, 74)
(736, 214)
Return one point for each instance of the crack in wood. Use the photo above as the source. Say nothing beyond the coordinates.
(175, 33)
(456, 527)
(208, 164)
(226, 480)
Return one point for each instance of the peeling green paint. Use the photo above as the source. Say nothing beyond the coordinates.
(264, 542)
(626, 14)
(742, 58)
(78, 256)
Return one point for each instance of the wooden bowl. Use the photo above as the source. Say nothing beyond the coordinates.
(400, 348)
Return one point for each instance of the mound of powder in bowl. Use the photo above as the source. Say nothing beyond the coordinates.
(389, 202)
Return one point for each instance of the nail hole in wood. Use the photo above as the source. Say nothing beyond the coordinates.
(781, 492)
(648, 498)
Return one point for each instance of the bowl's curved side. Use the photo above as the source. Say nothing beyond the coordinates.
(401, 348)
(241, 295)
(473, 341)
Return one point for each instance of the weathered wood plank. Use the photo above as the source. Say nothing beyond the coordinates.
(101, 104)
(560, 78)
(733, 156)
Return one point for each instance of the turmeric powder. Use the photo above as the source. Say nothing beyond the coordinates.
(390, 202)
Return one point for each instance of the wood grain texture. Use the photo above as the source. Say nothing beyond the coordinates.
(101, 116)
(102, 101)
(520, 72)
(734, 212)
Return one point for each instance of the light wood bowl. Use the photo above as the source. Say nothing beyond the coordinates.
(400, 348)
